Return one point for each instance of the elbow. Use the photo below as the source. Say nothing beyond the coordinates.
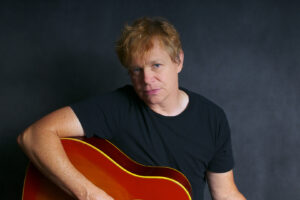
(19, 139)
(23, 138)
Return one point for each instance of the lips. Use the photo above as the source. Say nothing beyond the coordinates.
(152, 91)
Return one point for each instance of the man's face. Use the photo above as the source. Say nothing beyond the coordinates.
(155, 76)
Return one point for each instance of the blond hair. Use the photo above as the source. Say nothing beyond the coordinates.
(136, 39)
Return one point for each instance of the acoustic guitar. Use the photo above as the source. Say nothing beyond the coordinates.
(111, 170)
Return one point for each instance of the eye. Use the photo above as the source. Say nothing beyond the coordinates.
(136, 70)
(157, 65)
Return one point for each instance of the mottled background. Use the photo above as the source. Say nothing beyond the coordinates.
(243, 55)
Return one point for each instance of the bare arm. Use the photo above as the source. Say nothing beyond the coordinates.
(222, 186)
(41, 142)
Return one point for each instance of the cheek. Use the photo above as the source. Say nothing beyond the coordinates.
(169, 77)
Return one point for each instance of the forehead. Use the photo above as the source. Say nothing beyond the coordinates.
(156, 51)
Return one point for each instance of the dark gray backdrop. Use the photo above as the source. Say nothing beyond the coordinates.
(243, 55)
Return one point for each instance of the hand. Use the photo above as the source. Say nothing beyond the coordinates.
(96, 194)
(100, 196)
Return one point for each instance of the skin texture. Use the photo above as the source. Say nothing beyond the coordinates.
(41, 143)
(222, 186)
(155, 80)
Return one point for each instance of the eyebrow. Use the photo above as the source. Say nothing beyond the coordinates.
(155, 62)
(152, 62)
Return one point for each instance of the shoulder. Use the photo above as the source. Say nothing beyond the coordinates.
(126, 91)
(201, 102)
(122, 96)
(118, 95)
(115, 99)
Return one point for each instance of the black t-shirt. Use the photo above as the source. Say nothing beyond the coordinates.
(196, 140)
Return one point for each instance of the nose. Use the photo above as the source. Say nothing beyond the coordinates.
(147, 75)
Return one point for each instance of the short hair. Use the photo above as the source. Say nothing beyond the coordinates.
(136, 39)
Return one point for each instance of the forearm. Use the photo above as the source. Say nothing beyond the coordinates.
(222, 186)
(231, 196)
(45, 150)
(236, 196)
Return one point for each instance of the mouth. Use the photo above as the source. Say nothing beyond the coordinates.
(152, 91)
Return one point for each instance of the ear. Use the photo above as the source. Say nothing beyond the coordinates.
(180, 63)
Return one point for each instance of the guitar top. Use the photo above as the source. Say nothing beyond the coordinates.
(111, 170)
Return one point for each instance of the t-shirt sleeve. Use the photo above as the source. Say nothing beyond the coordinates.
(100, 116)
(222, 160)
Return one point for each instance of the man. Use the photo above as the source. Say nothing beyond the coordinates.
(155, 122)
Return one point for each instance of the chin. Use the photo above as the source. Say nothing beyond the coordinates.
(153, 100)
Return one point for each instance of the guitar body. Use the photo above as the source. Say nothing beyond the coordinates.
(111, 170)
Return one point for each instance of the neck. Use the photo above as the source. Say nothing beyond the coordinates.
(173, 107)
